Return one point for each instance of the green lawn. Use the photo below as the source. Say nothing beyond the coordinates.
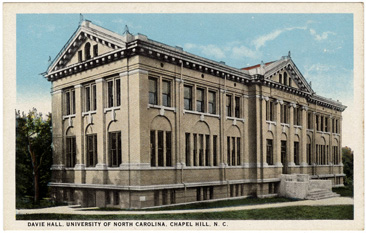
(285, 213)
(215, 204)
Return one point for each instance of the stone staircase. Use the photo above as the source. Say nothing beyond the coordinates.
(317, 194)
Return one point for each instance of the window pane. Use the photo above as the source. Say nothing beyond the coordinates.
(118, 92)
(94, 97)
(110, 94)
(160, 148)
(87, 93)
(152, 91)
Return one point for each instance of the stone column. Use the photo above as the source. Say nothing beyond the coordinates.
(79, 131)
(303, 138)
(245, 157)
(99, 125)
(263, 160)
(57, 136)
(290, 140)
(277, 141)
(222, 136)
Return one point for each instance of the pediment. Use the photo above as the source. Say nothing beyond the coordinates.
(283, 71)
(99, 40)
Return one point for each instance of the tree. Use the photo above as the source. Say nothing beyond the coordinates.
(347, 160)
(33, 154)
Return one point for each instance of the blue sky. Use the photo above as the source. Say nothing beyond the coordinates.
(321, 45)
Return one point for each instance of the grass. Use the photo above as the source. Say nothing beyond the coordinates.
(215, 204)
(283, 213)
(346, 191)
(28, 203)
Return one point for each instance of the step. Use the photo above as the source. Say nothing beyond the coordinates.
(317, 194)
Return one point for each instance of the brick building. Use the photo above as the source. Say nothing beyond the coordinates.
(137, 123)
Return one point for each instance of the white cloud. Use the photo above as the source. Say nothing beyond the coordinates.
(243, 51)
(42, 104)
(322, 36)
(317, 68)
(262, 40)
(207, 50)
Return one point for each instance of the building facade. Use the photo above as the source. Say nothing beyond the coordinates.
(137, 123)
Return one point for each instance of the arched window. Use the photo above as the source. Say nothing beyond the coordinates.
(87, 51)
(285, 78)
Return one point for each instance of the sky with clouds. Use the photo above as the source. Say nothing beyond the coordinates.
(321, 45)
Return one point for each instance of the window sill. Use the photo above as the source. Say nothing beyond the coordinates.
(68, 116)
(161, 107)
(323, 132)
(200, 113)
(310, 130)
(88, 113)
(111, 109)
(235, 119)
(272, 122)
(336, 134)
(285, 124)
(298, 126)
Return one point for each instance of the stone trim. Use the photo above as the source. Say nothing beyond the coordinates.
(155, 187)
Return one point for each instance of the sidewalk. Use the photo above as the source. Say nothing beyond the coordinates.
(89, 211)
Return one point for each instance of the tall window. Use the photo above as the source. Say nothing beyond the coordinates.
(115, 149)
(309, 120)
(80, 56)
(238, 157)
(92, 158)
(333, 126)
(283, 152)
(296, 153)
(199, 100)
(187, 98)
(233, 151)
(214, 147)
(70, 101)
(200, 143)
(237, 106)
(317, 123)
(228, 150)
(228, 105)
(270, 110)
(166, 93)
(308, 153)
(160, 149)
(153, 91)
(195, 150)
(337, 129)
(168, 149)
(280, 78)
(284, 113)
(70, 151)
(207, 151)
(270, 151)
(152, 149)
(285, 78)
(95, 50)
(90, 97)
(114, 93)
(87, 51)
(188, 150)
(297, 116)
(326, 124)
(321, 123)
(212, 102)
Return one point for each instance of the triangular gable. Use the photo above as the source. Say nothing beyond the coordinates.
(86, 33)
(273, 70)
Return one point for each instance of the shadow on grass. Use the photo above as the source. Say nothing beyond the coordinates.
(282, 213)
(209, 205)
